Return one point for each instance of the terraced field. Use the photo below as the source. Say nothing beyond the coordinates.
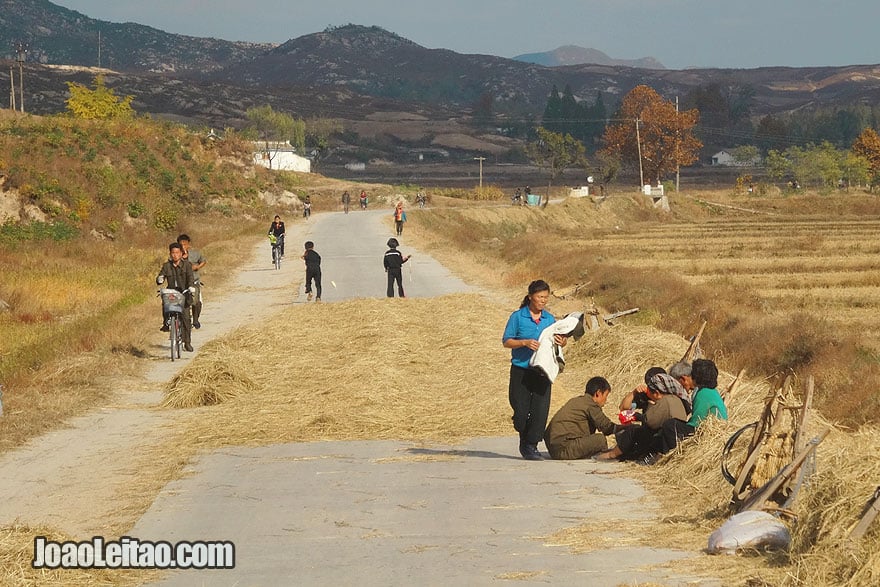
(829, 268)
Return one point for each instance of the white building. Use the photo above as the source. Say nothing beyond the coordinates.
(723, 158)
(280, 155)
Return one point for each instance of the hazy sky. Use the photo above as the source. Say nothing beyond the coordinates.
(679, 33)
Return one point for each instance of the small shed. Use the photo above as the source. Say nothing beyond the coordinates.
(723, 158)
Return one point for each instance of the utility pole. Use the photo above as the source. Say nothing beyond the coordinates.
(11, 88)
(99, 49)
(480, 159)
(20, 54)
(639, 146)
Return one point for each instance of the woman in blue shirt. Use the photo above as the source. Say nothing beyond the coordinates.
(529, 389)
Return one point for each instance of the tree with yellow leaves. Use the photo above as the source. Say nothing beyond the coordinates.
(867, 146)
(651, 133)
(102, 103)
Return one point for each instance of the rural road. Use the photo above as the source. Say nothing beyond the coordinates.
(335, 513)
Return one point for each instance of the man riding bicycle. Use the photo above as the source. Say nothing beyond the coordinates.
(177, 274)
(276, 229)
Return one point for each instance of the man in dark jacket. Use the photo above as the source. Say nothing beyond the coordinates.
(579, 428)
(177, 274)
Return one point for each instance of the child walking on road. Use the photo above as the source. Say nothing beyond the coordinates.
(393, 262)
(313, 271)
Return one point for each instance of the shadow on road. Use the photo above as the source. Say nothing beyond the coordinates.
(483, 454)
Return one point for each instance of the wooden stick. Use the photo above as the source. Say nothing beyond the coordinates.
(733, 385)
(869, 513)
(692, 349)
(609, 317)
(800, 439)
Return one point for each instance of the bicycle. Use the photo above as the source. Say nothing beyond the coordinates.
(173, 305)
(277, 242)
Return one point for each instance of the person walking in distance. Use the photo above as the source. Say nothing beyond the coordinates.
(529, 389)
(276, 229)
(393, 262)
(177, 274)
(197, 260)
(346, 201)
(313, 271)
(399, 218)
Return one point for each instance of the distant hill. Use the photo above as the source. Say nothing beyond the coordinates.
(366, 76)
(376, 62)
(56, 35)
(575, 55)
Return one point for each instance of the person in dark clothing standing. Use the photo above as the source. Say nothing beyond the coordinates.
(276, 229)
(529, 390)
(393, 262)
(177, 274)
(313, 271)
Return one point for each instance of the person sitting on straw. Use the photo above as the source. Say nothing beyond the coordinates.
(579, 428)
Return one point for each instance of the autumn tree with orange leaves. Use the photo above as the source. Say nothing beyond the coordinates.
(665, 136)
(867, 145)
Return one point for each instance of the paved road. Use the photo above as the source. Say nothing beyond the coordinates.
(393, 513)
(351, 248)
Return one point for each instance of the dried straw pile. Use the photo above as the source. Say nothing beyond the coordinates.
(17, 551)
(419, 369)
(215, 382)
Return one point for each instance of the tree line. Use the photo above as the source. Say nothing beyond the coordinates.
(656, 136)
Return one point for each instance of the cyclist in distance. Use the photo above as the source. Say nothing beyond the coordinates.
(276, 229)
(177, 274)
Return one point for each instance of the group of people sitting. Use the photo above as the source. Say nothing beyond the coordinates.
(653, 417)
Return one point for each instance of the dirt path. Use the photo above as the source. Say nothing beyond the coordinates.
(77, 479)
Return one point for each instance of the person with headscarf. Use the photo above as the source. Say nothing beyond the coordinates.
(666, 400)
(706, 401)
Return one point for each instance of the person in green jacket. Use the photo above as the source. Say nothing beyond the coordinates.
(706, 399)
(579, 428)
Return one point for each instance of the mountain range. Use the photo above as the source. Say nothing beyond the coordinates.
(361, 74)
(574, 55)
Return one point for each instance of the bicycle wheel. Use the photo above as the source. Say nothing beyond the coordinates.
(174, 337)
(277, 254)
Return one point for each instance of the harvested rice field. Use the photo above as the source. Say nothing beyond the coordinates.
(825, 268)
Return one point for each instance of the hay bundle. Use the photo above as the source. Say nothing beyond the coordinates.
(777, 448)
(17, 551)
(213, 379)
